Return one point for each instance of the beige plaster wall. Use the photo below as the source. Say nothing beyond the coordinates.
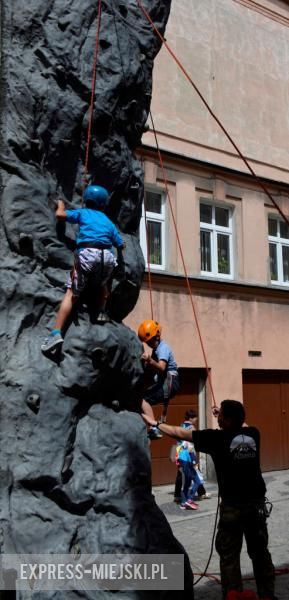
(187, 186)
(239, 59)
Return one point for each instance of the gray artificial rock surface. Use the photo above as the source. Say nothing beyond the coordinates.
(75, 462)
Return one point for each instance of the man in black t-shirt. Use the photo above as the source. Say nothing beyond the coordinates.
(235, 451)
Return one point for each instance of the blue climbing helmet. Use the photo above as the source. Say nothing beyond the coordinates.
(97, 195)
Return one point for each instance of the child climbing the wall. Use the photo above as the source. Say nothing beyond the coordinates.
(163, 365)
(93, 257)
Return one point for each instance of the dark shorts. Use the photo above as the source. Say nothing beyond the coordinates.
(162, 391)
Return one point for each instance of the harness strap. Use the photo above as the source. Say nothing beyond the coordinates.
(167, 386)
(101, 265)
(97, 245)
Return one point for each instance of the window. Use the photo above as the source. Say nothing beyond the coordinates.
(278, 234)
(216, 240)
(152, 229)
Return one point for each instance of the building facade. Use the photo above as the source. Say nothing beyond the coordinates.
(209, 218)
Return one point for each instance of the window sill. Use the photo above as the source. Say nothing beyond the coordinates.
(156, 269)
(173, 281)
(216, 276)
(280, 284)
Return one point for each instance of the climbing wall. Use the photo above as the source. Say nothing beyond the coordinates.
(75, 471)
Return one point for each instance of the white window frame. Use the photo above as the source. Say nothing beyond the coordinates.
(157, 218)
(279, 242)
(214, 229)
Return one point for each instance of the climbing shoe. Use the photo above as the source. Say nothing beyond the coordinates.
(51, 342)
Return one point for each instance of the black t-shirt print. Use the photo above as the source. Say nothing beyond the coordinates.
(236, 456)
(243, 447)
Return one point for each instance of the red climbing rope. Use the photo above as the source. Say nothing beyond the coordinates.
(251, 170)
(94, 70)
(188, 77)
(214, 405)
(183, 262)
(148, 259)
(216, 578)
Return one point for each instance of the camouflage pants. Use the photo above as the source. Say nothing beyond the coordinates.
(234, 524)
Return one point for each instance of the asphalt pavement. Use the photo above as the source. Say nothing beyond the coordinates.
(194, 529)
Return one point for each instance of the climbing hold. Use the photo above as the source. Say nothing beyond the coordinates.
(26, 244)
(123, 10)
(33, 402)
(115, 405)
(35, 142)
(66, 472)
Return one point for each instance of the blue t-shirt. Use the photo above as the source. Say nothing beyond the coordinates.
(94, 226)
(164, 352)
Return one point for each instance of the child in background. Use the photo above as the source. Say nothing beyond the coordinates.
(190, 421)
(190, 478)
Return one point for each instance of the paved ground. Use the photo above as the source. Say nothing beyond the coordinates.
(194, 530)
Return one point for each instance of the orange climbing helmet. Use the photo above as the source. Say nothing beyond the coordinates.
(149, 329)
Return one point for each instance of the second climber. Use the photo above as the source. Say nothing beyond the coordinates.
(162, 363)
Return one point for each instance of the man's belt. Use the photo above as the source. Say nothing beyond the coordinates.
(97, 245)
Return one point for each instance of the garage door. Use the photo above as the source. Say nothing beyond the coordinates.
(266, 400)
(164, 471)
